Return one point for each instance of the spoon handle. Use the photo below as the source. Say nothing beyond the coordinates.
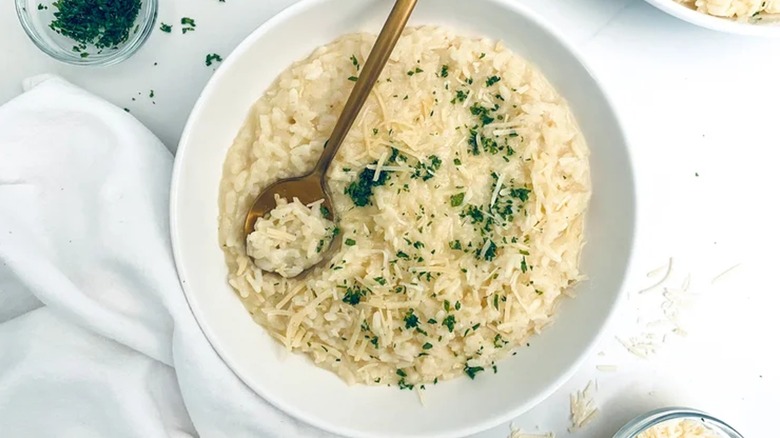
(373, 67)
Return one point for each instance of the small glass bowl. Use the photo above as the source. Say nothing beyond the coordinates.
(36, 15)
(653, 418)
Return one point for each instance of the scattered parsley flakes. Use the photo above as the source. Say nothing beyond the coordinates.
(354, 295)
(414, 72)
(188, 24)
(472, 371)
(449, 322)
(492, 80)
(352, 78)
(349, 242)
(457, 200)
(211, 58)
(360, 191)
(166, 27)
(460, 96)
(520, 193)
(410, 319)
(355, 62)
(445, 71)
(427, 346)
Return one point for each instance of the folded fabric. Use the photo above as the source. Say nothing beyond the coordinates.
(95, 334)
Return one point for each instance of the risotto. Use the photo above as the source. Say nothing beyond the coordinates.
(291, 239)
(742, 10)
(460, 192)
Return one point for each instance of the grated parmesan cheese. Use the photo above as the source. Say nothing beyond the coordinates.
(582, 407)
(680, 429)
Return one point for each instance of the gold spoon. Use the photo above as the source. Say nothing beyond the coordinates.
(312, 187)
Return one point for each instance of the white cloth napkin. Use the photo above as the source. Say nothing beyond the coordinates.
(96, 338)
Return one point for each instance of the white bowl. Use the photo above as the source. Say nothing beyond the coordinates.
(292, 382)
(720, 24)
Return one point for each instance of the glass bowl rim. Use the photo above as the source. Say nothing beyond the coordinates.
(147, 15)
(655, 417)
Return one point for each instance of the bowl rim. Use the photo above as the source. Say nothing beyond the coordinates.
(147, 12)
(655, 417)
(720, 24)
(489, 422)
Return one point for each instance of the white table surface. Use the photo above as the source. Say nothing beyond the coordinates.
(693, 102)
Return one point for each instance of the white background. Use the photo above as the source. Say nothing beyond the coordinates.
(693, 102)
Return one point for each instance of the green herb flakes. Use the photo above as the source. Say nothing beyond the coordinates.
(212, 58)
(457, 200)
(410, 319)
(472, 371)
(349, 242)
(492, 80)
(449, 322)
(354, 295)
(104, 27)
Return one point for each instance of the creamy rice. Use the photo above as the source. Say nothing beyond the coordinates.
(461, 192)
(742, 10)
(292, 238)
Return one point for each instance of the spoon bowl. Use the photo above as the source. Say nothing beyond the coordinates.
(312, 187)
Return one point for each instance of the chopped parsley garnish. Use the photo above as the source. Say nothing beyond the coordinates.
(481, 112)
(402, 255)
(400, 372)
(415, 71)
(166, 27)
(425, 170)
(481, 55)
(380, 280)
(523, 266)
(457, 161)
(352, 78)
(498, 341)
(495, 301)
(355, 62)
(349, 242)
(455, 244)
(106, 26)
(473, 212)
(457, 305)
(456, 200)
(360, 191)
(427, 346)
(403, 385)
(446, 305)
(354, 295)
(188, 24)
(410, 319)
(211, 58)
(324, 211)
(520, 193)
(460, 96)
(490, 252)
(320, 244)
(472, 371)
(445, 71)
(418, 245)
(449, 322)
(492, 80)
